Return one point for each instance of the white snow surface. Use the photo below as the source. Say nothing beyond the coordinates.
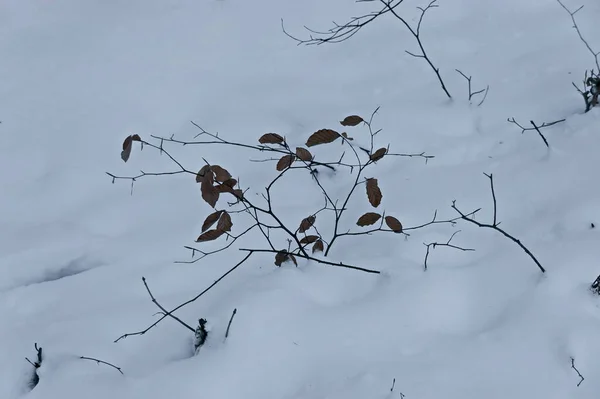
(77, 77)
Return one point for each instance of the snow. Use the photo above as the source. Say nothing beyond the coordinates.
(77, 77)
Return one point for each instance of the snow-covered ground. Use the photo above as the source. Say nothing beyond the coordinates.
(77, 77)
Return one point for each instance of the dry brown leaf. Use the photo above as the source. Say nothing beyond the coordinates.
(394, 224)
(271, 138)
(285, 162)
(293, 258)
(210, 194)
(377, 155)
(309, 239)
(210, 220)
(225, 223)
(318, 247)
(222, 188)
(221, 174)
(201, 173)
(352, 120)
(280, 257)
(368, 219)
(303, 154)
(126, 149)
(230, 183)
(136, 137)
(307, 223)
(210, 235)
(373, 192)
(239, 194)
(322, 136)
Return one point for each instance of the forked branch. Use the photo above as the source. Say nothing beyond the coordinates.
(341, 32)
(495, 224)
(591, 82)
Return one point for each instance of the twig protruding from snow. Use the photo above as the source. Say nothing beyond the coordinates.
(341, 32)
(537, 128)
(229, 324)
(495, 224)
(102, 362)
(474, 93)
(592, 82)
(35, 378)
(433, 245)
(577, 371)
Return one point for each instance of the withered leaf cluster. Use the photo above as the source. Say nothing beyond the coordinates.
(215, 180)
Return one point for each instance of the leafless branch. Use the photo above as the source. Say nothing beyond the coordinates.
(537, 128)
(321, 261)
(495, 224)
(165, 312)
(341, 32)
(102, 362)
(595, 54)
(433, 245)
(577, 371)
(592, 82)
(474, 93)
(168, 314)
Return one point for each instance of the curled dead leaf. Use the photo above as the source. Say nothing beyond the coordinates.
(271, 138)
(222, 188)
(293, 258)
(368, 219)
(201, 173)
(285, 162)
(352, 120)
(210, 194)
(303, 154)
(309, 239)
(225, 223)
(126, 148)
(307, 223)
(377, 155)
(210, 235)
(281, 257)
(221, 174)
(230, 183)
(210, 220)
(322, 136)
(394, 224)
(373, 192)
(318, 246)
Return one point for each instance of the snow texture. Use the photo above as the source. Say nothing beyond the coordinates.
(77, 77)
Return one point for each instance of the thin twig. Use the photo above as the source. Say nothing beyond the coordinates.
(446, 244)
(165, 310)
(102, 362)
(323, 262)
(341, 32)
(595, 54)
(229, 324)
(142, 332)
(537, 128)
(498, 229)
(471, 92)
(578, 373)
